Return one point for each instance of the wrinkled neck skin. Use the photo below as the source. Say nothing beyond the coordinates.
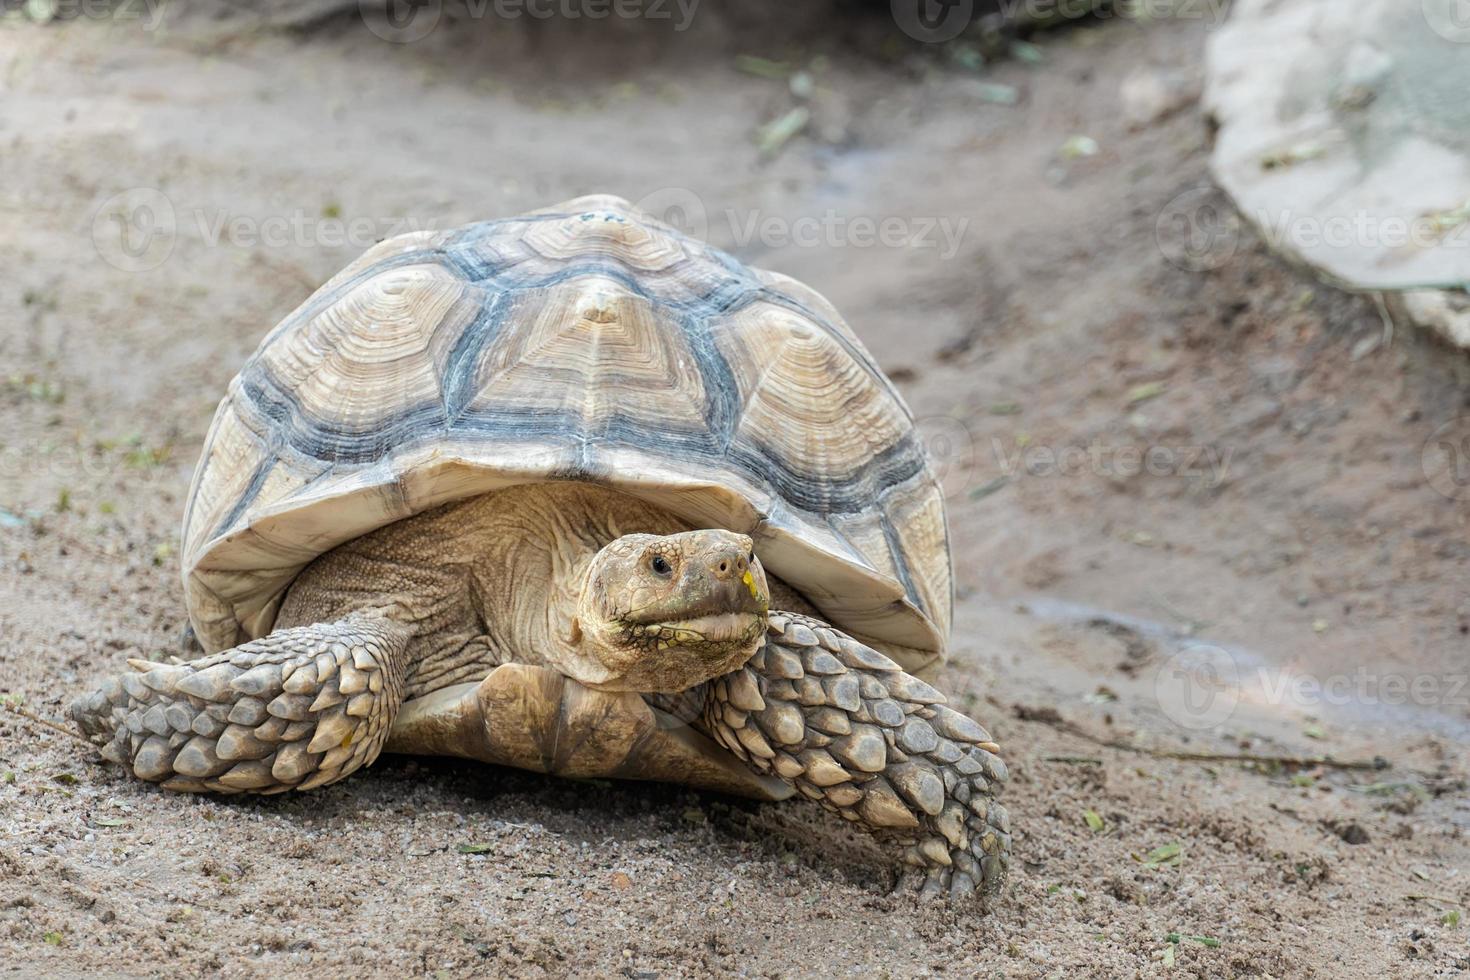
(491, 580)
(528, 551)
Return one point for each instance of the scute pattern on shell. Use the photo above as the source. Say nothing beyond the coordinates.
(584, 342)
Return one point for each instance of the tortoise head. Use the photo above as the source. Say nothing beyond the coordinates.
(662, 613)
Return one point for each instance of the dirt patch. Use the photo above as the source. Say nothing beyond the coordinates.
(1289, 533)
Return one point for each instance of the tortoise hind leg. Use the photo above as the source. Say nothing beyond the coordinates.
(848, 728)
(299, 708)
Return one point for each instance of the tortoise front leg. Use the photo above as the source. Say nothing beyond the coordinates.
(849, 729)
(297, 709)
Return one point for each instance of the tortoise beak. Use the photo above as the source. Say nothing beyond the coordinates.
(720, 574)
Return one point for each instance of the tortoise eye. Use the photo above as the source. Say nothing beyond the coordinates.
(660, 565)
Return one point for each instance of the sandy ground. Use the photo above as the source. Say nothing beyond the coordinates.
(1286, 534)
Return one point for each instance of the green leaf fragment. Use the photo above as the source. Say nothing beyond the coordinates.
(1451, 219)
(775, 134)
(1164, 854)
(1391, 789)
(762, 67)
(476, 848)
(1292, 155)
(981, 492)
(1176, 938)
(1079, 146)
(1027, 52)
(997, 94)
(1145, 391)
(1094, 820)
(967, 56)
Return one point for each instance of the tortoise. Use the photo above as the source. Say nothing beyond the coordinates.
(577, 493)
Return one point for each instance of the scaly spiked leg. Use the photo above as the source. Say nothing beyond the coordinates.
(848, 728)
(297, 709)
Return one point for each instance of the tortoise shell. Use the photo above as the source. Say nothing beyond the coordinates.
(582, 342)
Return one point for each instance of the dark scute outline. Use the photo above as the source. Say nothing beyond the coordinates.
(451, 415)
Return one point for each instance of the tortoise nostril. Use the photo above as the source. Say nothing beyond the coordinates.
(728, 566)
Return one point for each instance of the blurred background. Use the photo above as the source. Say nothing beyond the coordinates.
(1174, 287)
